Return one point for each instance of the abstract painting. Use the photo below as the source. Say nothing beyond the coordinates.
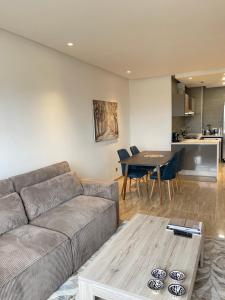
(105, 120)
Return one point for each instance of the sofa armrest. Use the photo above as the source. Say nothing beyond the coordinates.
(104, 189)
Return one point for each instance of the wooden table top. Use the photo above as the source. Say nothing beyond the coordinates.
(124, 265)
(149, 158)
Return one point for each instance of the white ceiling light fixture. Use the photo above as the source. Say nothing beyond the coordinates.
(70, 44)
(128, 71)
(223, 78)
(190, 78)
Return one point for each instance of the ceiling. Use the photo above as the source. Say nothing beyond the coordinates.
(208, 79)
(148, 37)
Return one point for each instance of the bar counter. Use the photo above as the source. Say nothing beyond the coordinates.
(201, 158)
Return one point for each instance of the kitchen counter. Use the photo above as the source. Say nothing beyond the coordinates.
(201, 157)
(198, 142)
(212, 136)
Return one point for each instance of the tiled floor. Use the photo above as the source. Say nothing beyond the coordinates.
(203, 201)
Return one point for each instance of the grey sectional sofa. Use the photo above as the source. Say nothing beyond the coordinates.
(50, 224)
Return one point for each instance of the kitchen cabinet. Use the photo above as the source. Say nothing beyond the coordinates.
(178, 105)
(182, 105)
(216, 138)
(189, 105)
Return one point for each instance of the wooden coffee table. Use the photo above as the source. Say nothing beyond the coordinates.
(122, 269)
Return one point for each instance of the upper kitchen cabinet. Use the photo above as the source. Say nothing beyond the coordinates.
(182, 104)
(189, 105)
(178, 108)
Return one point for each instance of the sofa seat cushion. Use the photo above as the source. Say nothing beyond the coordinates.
(34, 262)
(43, 196)
(88, 221)
(12, 213)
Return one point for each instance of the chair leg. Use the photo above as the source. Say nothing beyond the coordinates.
(122, 191)
(172, 182)
(138, 188)
(130, 185)
(146, 181)
(152, 190)
(169, 190)
(176, 181)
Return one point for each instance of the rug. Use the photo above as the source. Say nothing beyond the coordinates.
(209, 284)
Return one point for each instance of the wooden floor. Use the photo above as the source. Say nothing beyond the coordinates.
(203, 201)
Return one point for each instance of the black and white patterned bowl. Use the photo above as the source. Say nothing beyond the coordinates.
(155, 284)
(159, 273)
(176, 289)
(177, 275)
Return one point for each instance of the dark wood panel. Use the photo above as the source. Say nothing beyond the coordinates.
(149, 158)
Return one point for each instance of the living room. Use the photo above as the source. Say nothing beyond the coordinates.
(62, 191)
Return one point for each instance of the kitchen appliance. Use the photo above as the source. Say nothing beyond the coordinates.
(215, 131)
(175, 137)
(209, 129)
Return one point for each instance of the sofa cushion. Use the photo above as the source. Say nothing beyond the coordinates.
(87, 221)
(12, 213)
(40, 175)
(43, 196)
(6, 187)
(34, 262)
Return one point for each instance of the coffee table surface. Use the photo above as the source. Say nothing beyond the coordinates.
(123, 267)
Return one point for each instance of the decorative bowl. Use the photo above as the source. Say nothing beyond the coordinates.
(176, 289)
(155, 284)
(177, 275)
(159, 273)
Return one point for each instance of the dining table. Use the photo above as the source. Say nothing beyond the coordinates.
(147, 159)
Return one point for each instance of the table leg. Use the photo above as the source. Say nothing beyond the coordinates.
(159, 183)
(125, 182)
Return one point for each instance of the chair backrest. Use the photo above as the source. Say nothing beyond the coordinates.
(123, 154)
(170, 170)
(134, 150)
(180, 159)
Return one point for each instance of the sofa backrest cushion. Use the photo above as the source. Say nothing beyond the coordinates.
(40, 175)
(6, 187)
(12, 213)
(43, 196)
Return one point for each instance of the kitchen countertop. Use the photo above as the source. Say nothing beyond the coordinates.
(212, 136)
(197, 142)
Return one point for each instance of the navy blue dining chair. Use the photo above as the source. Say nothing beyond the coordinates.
(134, 172)
(134, 150)
(167, 174)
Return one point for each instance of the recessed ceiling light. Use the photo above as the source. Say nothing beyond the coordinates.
(128, 71)
(222, 236)
(189, 78)
(70, 44)
(223, 78)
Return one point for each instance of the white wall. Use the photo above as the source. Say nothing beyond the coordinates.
(150, 113)
(46, 110)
